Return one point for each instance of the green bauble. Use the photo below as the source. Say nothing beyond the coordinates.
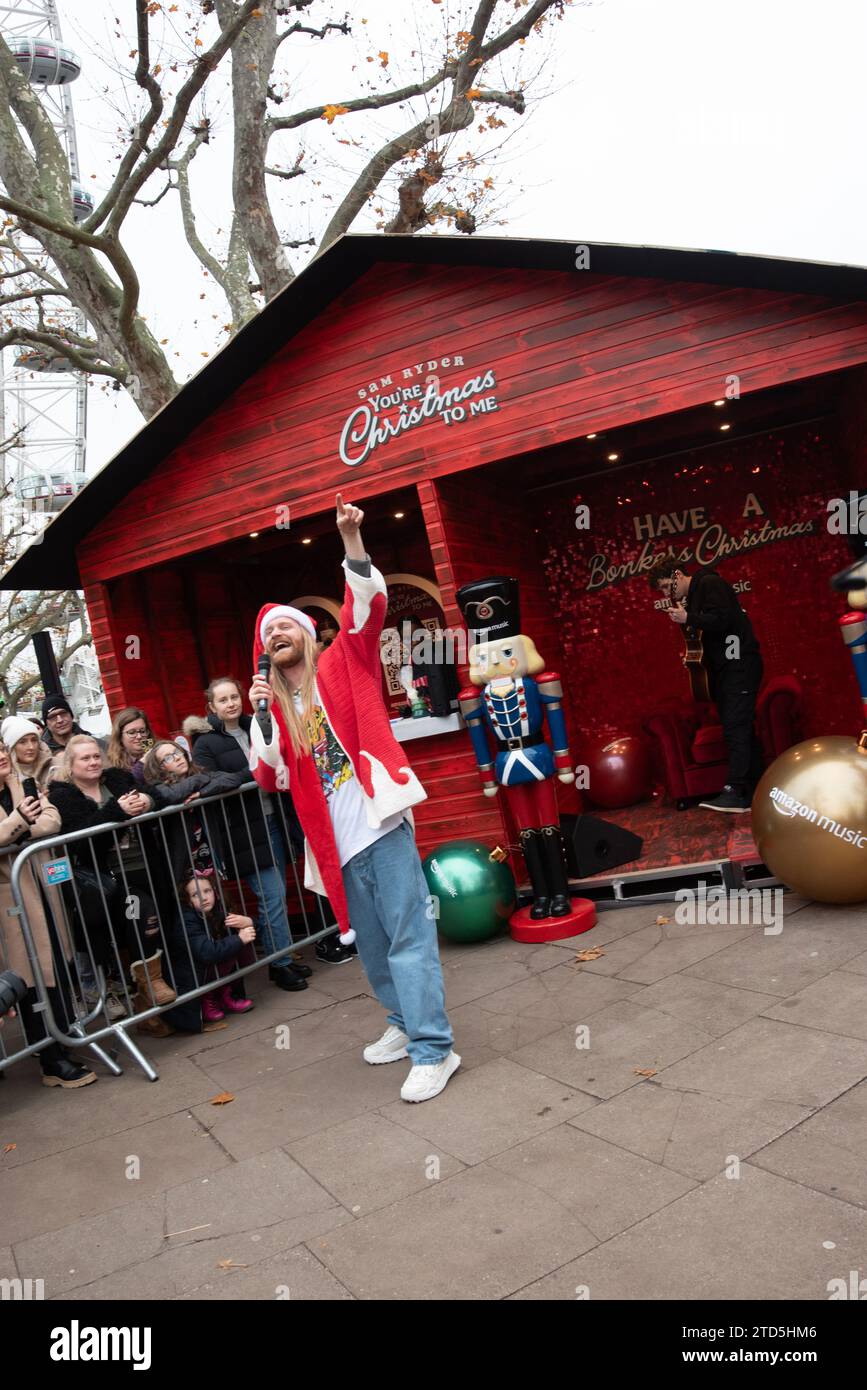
(476, 894)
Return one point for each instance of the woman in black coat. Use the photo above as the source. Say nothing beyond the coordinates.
(106, 867)
(251, 840)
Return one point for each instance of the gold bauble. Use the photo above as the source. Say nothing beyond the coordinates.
(810, 819)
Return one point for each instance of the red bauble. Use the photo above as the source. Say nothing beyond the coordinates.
(619, 771)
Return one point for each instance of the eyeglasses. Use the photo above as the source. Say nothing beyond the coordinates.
(172, 757)
(58, 714)
(136, 733)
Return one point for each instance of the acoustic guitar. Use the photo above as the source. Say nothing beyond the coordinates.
(693, 661)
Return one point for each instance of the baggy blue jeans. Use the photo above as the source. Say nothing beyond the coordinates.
(388, 900)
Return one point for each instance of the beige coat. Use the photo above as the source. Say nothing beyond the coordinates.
(14, 952)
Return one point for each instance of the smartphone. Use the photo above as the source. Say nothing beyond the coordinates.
(30, 787)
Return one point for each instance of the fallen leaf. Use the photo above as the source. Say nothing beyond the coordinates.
(592, 953)
(223, 1098)
(230, 1264)
(7, 1148)
(647, 1072)
(329, 112)
(662, 921)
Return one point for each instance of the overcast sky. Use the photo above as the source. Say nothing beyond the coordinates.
(736, 126)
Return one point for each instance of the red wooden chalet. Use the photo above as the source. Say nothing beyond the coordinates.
(699, 400)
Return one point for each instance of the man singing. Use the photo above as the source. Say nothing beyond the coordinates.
(734, 668)
(333, 748)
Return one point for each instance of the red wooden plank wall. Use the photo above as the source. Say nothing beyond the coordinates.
(476, 531)
(571, 354)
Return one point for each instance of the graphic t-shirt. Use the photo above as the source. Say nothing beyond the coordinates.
(345, 799)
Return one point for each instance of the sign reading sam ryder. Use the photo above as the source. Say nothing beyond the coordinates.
(388, 411)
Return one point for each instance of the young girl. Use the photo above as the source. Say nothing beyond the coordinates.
(217, 941)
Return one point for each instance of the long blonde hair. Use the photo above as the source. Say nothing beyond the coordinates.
(297, 720)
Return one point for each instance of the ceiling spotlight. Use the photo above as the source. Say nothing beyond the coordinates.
(253, 535)
(719, 402)
(306, 540)
(398, 516)
(725, 427)
(612, 458)
(591, 436)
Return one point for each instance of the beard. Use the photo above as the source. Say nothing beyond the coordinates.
(287, 657)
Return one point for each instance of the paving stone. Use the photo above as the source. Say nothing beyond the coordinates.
(370, 1162)
(345, 981)
(46, 1121)
(479, 1235)
(47, 1194)
(469, 978)
(213, 1262)
(561, 995)
(826, 1151)
(690, 1133)
(236, 1198)
(624, 1038)
(95, 1247)
(858, 965)
(611, 924)
(658, 951)
(837, 1003)
(768, 1060)
(805, 950)
(490, 1109)
(758, 1238)
(274, 1112)
(293, 1275)
(716, 1009)
(273, 1052)
(482, 1036)
(607, 1188)
(8, 1268)
(533, 959)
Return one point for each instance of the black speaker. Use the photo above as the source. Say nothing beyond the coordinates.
(594, 845)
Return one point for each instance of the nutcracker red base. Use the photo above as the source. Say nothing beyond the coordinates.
(580, 919)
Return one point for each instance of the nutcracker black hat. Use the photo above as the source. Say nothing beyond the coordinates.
(491, 608)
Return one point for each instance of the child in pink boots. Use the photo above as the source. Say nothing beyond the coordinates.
(219, 941)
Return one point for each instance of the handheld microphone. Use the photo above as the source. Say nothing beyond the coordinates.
(263, 718)
(263, 669)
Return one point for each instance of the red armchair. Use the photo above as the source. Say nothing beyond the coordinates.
(689, 755)
(688, 747)
(778, 716)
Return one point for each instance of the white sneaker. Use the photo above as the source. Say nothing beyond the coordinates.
(426, 1081)
(390, 1048)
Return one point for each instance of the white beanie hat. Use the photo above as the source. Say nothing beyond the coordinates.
(15, 727)
(283, 610)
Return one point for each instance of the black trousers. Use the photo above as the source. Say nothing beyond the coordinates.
(734, 689)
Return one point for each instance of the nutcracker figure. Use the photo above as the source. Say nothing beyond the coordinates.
(511, 696)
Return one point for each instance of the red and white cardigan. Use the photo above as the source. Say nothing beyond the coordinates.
(349, 687)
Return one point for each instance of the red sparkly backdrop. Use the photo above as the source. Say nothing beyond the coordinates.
(622, 654)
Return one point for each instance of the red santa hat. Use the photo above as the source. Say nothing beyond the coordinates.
(272, 611)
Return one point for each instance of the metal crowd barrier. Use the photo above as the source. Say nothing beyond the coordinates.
(112, 891)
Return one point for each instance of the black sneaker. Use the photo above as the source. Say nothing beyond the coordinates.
(64, 1072)
(332, 953)
(728, 800)
(300, 968)
(285, 977)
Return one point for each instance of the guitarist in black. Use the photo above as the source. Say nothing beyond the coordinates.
(733, 661)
